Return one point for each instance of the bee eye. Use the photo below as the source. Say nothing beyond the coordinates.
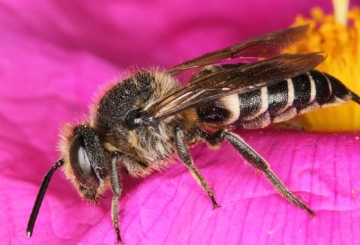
(80, 160)
(83, 160)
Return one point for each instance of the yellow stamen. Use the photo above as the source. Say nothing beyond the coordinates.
(341, 44)
(341, 9)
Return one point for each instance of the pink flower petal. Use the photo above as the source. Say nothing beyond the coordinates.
(54, 56)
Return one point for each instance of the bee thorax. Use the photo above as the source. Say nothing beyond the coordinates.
(120, 125)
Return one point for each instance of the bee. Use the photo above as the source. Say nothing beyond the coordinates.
(142, 122)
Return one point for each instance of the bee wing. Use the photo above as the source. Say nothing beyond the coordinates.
(265, 46)
(232, 79)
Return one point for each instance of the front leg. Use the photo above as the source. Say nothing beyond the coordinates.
(116, 189)
(255, 160)
(185, 158)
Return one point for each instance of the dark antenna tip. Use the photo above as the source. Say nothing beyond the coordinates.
(40, 197)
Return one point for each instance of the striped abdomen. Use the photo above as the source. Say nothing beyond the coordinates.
(278, 102)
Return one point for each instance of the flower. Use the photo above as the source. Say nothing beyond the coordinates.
(340, 42)
(54, 56)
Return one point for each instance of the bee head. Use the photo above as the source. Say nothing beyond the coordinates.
(84, 161)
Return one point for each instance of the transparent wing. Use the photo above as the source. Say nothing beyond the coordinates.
(233, 79)
(265, 46)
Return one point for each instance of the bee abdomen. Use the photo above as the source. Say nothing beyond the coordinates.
(286, 99)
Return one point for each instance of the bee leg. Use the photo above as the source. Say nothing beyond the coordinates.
(185, 157)
(116, 189)
(259, 163)
(255, 160)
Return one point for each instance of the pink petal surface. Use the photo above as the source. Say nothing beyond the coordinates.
(54, 56)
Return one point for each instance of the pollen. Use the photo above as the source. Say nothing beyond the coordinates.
(339, 38)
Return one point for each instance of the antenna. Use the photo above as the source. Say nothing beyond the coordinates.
(40, 197)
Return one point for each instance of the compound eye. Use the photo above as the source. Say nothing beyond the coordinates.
(81, 163)
(83, 160)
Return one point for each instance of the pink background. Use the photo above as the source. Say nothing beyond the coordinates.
(53, 57)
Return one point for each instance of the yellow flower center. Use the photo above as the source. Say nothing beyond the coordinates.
(341, 43)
